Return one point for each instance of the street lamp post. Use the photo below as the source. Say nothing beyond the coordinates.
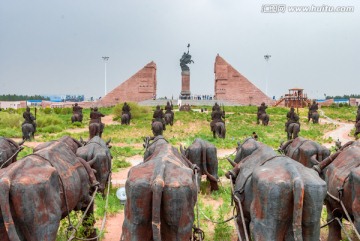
(105, 58)
(267, 58)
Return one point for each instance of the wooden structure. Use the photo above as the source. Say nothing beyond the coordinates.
(295, 98)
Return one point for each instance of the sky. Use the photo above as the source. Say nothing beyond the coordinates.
(56, 47)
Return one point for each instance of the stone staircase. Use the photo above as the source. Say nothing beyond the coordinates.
(163, 102)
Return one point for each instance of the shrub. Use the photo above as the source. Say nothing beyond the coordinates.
(14, 132)
(50, 129)
(11, 110)
(44, 121)
(47, 110)
(10, 120)
(66, 111)
(78, 124)
(57, 110)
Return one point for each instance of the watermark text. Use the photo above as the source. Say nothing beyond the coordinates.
(283, 8)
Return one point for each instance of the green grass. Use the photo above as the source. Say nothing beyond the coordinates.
(344, 113)
(212, 217)
(114, 205)
(118, 163)
(26, 151)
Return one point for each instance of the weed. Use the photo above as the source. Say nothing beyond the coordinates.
(118, 163)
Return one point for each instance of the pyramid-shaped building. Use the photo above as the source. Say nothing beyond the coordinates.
(141, 86)
(232, 86)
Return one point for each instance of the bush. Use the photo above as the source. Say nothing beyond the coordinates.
(45, 121)
(47, 110)
(78, 124)
(66, 111)
(50, 129)
(57, 110)
(10, 120)
(11, 133)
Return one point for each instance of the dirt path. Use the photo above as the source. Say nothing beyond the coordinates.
(342, 131)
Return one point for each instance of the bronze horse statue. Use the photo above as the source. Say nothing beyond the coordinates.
(341, 173)
(276, 197)
(161, 195)
(157, 128)
(37, 191)
(95, 130)
(314, 116)
(264, 119)
(9, 150)
(125, 119)
(293, 130)
(28, 131)
(76, 117)
(219, 130)
(168, 119)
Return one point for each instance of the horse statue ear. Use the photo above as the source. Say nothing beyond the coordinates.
(183, 150)
(146, 142)
(108, 142)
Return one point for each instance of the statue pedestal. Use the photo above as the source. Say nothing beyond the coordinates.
(185, 84)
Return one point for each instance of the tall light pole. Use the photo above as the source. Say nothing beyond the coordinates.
(105, 58)
(267, 58)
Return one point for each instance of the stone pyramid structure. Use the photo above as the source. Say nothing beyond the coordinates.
(232, 86)
(139, 87)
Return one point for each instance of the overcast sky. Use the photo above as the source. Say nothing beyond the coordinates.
(56, 47)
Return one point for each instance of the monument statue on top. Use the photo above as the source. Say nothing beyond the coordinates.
(186, 59)
(185, 74)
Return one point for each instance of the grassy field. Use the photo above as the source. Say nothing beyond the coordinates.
(127, 142)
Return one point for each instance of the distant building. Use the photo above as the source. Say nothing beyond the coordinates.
(33, 102)
(12, 104)
(295, 98)
(341, 101)
(354, 101)
(66, 97)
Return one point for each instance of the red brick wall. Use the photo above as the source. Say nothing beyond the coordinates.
(185, 83)
(327, 102)
(141, 86)
(232, 86)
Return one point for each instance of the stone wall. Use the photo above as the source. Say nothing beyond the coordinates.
(232, 86)
(141, 86)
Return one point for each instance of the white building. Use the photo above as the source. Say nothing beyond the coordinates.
(12, 104)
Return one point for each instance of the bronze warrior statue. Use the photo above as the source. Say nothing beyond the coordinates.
(159, 116)
(126, 109)
(95, 117)
(313, 108)
(169, 109)
(77, 113)
(29, 118)
(216, 116)
(261, 110)
(292, 117)
(186, 59)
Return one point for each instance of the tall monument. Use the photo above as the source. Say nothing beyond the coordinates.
(185, 74)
